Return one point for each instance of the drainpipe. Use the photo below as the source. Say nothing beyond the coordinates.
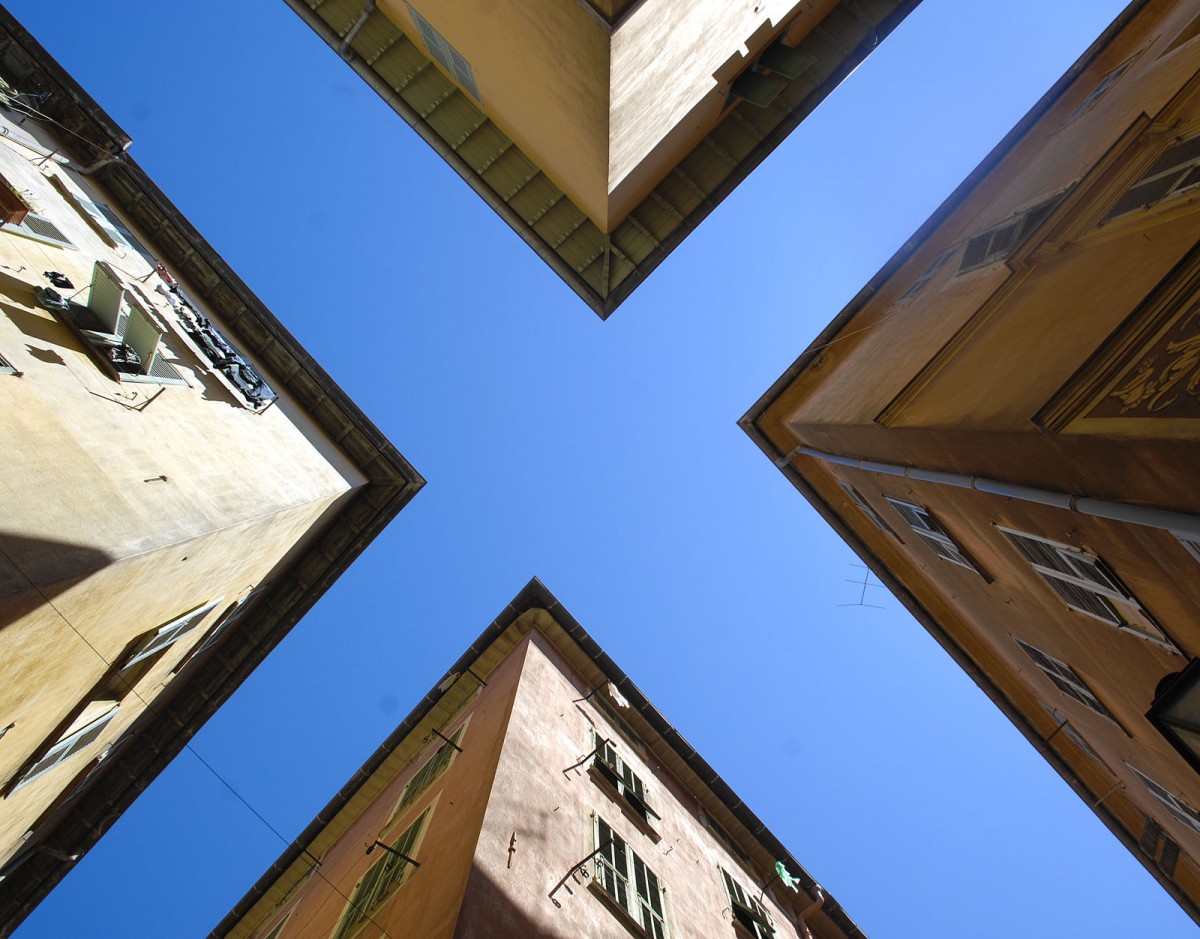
(1179, 523)
(104, 161)
(818, 902)
(354, 30)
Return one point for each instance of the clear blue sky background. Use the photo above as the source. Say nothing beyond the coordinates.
(604, 458)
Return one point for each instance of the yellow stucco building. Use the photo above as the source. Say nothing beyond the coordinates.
(603, 131)
(1005, 425)
(180, 480)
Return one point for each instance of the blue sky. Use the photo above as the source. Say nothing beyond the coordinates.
(603, 458)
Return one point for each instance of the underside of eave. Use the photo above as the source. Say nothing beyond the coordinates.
(602, 268)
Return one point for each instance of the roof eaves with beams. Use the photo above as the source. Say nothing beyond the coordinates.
(603, 269)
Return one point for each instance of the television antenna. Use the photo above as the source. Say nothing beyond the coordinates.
(864, 583)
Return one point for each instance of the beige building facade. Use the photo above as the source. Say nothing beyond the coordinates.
(180, 480)
(1005, 425)
(536, 792)
(603, 131)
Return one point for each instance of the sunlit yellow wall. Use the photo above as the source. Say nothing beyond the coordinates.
(125, 505)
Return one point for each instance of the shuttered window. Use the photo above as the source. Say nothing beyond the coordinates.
(629, 882)
(927, 528)
(428, 774)
(42, 229)
(1177, 170)
(68, 746)
(620, 776)
(1102, 88)
(172, 632)
(1173, 803)
(1085, 584)
(746, 910)
(1000, 241)
(445, 54)
(1065, 679)
(385, 877)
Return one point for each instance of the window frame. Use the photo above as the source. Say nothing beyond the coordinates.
(1101, 88)
(761, 924)
(431, 771)
(623, 891)
(1174, 804)
(381, 888)
(175, 630)
(66, 747)
(928, 275)
(440, 50)
(1069, 682)
(1180, 177)
(1021, 224)
(926, 527)
(613, 773)
(1086, 584)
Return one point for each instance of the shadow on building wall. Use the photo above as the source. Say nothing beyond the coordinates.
(35, 569)
(489, 913)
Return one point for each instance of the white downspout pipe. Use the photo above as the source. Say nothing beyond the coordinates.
(1179, 523)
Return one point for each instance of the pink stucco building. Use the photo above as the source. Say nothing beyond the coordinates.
(535, 792)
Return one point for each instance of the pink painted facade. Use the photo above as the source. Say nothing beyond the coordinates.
(553, 766)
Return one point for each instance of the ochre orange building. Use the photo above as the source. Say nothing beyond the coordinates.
(1004, 424)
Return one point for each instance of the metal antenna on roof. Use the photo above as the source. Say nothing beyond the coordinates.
(864, 583)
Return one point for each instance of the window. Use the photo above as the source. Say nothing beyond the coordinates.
(166, 636)
(925, 526)
(628, 882)
(1064, 724)
(1102, 88)
(607, 703)
(445, 54)
(1158, 847)
(120, 331)
(383, 879)
(427, 774)
(867, 509)
(1000, 241)
(747, 911)
(277, 930)
(75, 740)
(1191, 543)
(40, 228)
(1173, 803)
(723, 836)
(1065, 679)
(919, 284)
(1085, 584)
(618, 774)
(1176, 170)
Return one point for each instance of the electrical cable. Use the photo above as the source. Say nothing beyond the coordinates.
(129, 687)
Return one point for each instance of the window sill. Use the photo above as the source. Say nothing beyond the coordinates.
(623, 915)
(643, 824)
